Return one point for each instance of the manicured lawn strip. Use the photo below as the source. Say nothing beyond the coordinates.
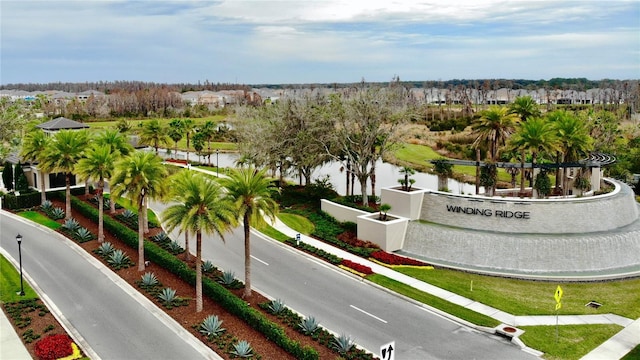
(421, 155)
(297, 222)
(434, 301)
(522, 297)
(40, 219)
(574, 341)
(271, 232)
(633, 354)
(10, 283)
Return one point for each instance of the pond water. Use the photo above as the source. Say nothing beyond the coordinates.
(387, 175)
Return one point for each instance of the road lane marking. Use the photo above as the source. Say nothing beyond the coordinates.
(255, 258)
(370, 314)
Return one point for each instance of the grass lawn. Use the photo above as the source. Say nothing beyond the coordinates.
(421, 155)
(10, 284)
(521, 297)
(271, 232)
(40, 219)
(633, 354)
(182, 144)
(574, 341)
(297, 222)
(434, 301)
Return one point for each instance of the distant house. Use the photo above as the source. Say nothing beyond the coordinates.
(53, 181)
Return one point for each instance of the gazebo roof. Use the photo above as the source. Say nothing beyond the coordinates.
(62, 123)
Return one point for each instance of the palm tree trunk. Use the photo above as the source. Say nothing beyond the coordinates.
(477, 171)
(186, 246)
(141, 236)
(145, 215)
(522, 157)
(247, 257)
(100, 211)
(68, 196)
(43, 193)
(198, 271)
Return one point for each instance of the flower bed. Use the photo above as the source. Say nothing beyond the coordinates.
(54, 347)
(357, 267)
(393, 259)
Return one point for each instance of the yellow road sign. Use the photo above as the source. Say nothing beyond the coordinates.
(558, 306)
(558, 294)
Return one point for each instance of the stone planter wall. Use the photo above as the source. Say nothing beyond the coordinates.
(403, 203)
(340, 212)
(389, 234)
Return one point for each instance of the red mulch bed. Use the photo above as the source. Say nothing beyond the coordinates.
(187, 315)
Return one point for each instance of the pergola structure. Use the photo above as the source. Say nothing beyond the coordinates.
(594, 161)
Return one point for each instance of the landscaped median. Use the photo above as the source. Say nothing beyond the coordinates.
(42, 335)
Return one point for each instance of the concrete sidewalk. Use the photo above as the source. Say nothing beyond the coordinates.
(11, 346)
(613, 348)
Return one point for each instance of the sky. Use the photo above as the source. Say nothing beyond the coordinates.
(316, 41)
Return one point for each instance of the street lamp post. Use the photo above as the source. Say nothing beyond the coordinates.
(19, 240)
(217, 163)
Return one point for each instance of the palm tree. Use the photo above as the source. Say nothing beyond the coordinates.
(97, 165)
(154, 134)
(251, 191)
(34, 148)
(188, 125)
(534, 135)
(525, 107)
(65, 150)
(200, 209)
(207, 130)
(573, 138)
(176, 132)
(493, 128)
(141, 176)
(118, 143)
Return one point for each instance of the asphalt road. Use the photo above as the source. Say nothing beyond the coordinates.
(343, 304)
(107, 316)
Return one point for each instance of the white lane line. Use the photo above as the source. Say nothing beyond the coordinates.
(255, 258)
(370, 314)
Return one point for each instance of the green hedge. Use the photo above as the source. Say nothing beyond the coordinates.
(24, 201)
(215, 291)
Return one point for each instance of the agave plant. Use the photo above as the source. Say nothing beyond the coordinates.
(343, 343)
(105, 249)
(211, 327)
(46, 206)
(148, 280)
(57, 213)
(128, 214)
(242, 349)
(227, 278)
(276, 306)
(83, 234)
(71, 225)
(118, 259)
(161, 237)
(168, 296)
(174, 247)
(208, 267)
(308, 325)
(106, 204)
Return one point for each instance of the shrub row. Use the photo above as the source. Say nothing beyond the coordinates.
(333, 259)
(24, 201)
(215, 291)
(357, 267)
